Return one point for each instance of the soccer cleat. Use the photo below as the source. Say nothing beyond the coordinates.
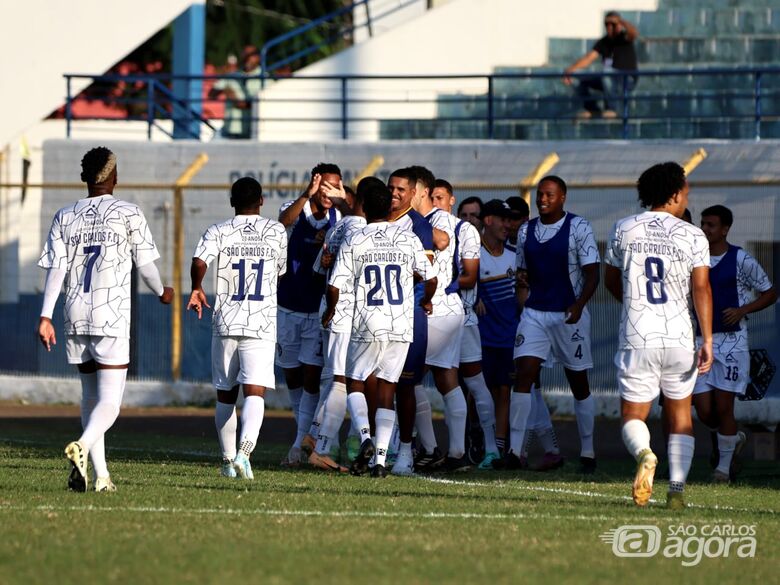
(292, 459)
(487, 462)
(404, 465)
(379, 471)
(227, 469)
(736, 460)
(675, 501)
(308, 443)
(77, 455)
(360, 464)
(243, 467)
(353, 447)
(426, 462)
(104, 484)
(510, 462)
(549, 462)
(643, 480)
(587, 465)
(720, 477)
(326, 463)
(457, 464)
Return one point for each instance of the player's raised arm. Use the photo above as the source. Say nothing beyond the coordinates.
(198, 297)
(288, 216)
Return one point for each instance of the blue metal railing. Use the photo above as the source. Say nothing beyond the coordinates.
(757, 101)
(269, 69)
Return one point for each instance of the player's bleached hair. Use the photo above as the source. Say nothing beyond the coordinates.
(246, 192)
(722, 212)
(442, 184)
(469, 201)
(405, 173)
(658, 184)
(326, 169)
(557, 180)
(97, 165)
(377, 200)
(424, 176)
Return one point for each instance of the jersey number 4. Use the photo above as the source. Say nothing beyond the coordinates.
(654, 271)
(241, 292)
(393, 290)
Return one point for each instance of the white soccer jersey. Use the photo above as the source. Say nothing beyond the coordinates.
(377, 264)
(96, 240)
(342, 318)
(251, 254)
(582, 246)
(469, 246)
(657, 253)
(444, 304)
(750, 277)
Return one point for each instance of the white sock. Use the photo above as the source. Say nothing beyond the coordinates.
(680, 457)
(519, 409)
(333, 411)
(586, 413)
(395, 439)
(110, 387)
(314, 429)
(486, 409)
(423, 420)
(548, 440)
(89, 398)
(455, 411)
(540, 419)
(405, 450)
(726, 446)
(636, 437)
(385, 419)
(358, 410)
(295, 400)
(531, 425)
(226, 422)
(306, 411)
(251, 420)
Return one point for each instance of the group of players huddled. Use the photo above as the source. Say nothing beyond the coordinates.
(356, 295)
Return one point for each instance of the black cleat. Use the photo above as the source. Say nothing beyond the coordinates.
(360, 464)
(510, 462)
(587, 465)
(427, 462)
(379, 471)
(457, 464)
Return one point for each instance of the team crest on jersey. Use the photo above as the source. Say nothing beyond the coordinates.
(249, 229)
(519, 340)
(510, 273)
(576, 336)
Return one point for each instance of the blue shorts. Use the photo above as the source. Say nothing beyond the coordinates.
(414, 366)
(498, 366)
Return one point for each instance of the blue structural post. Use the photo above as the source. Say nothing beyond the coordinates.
(189, 46)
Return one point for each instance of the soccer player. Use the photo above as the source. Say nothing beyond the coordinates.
(498, 312)
(654, 261)
(338, 331)
(376, 267)
(92, 246)
(470, 209)
(734, 276)
(251, 255)
(558, 262)
(445, 330)
(299, 350)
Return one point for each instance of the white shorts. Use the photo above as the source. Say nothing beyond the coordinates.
(730, 372)
(109, 351)
(242, 360)
(470, 345)
(643, 373)
(545, 334)
(444, 337)
(383, 358)
(335, 344)
(299, 339)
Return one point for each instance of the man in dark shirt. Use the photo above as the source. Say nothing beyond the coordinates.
(617, 53)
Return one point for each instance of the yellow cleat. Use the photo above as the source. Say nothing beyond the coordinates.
(104, 484)
(77, 455)
(325, 463)
(643, 481)
(675, 501)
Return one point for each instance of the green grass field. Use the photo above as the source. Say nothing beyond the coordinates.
(175, 520)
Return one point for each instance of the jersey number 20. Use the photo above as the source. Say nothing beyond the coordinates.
(393, 290)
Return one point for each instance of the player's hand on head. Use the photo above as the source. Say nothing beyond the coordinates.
(334, 191)
(46, 333)
(314, 186)
(167, 297)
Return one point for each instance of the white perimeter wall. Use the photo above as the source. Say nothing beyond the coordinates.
(459, 37)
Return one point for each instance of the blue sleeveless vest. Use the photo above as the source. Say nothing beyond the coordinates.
(548, 269)
(723, 280)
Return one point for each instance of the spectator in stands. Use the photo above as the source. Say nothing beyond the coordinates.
(617, 53)
(239, 92)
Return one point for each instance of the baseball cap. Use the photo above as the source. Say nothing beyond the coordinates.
(518, 206)
(496, 207)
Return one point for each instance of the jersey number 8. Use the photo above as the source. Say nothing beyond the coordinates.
(655, 276)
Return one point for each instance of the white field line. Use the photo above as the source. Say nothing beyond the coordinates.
(513, 484)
